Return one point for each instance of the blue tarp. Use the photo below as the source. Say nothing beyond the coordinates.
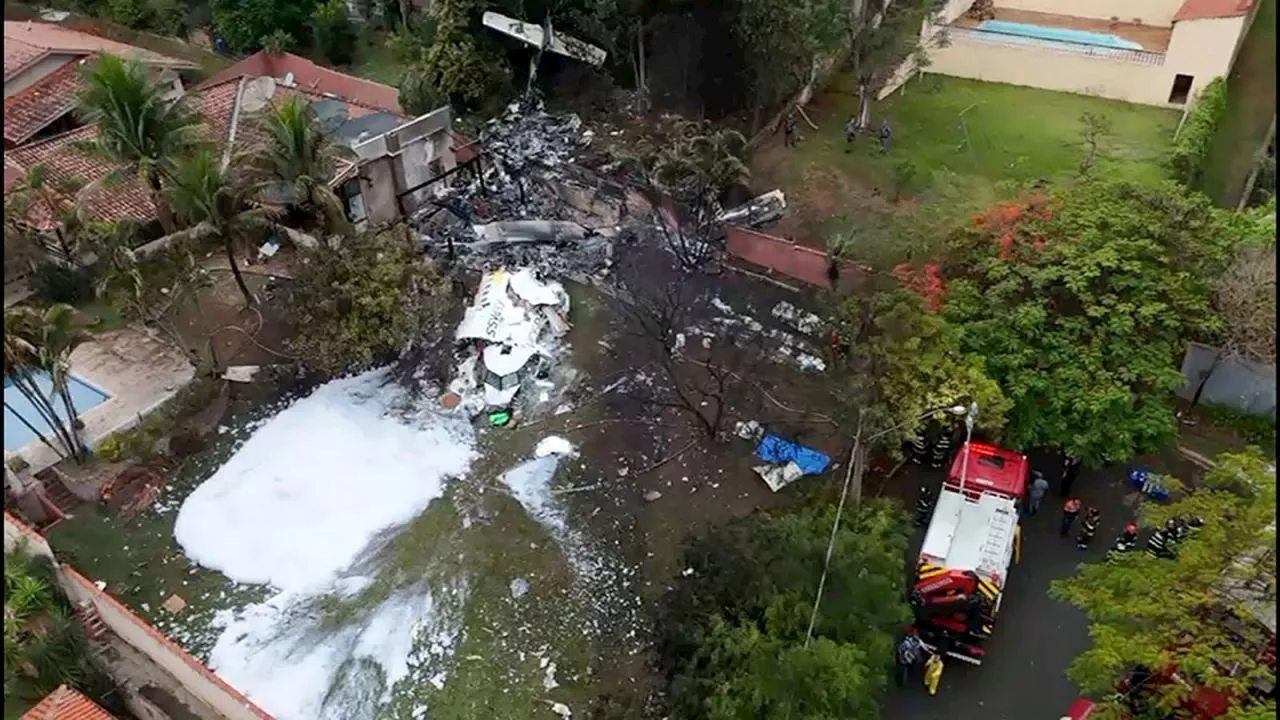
(779, 450)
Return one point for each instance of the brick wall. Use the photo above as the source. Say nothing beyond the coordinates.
(779, 256)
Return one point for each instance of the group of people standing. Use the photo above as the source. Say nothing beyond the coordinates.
(851, 131)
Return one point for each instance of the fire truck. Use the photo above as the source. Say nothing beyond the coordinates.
(972, 540)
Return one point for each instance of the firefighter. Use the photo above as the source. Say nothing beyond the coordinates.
(851, 129)
(1070, 469)
(1124, 544)
(941, 449)
(1088, 528)
(909, 652)
(1039, 486)
(920, 447)
(886, 134)
(789, 130)
(933, 670)
(1159, 545)
(1070, 509)
(924, 503)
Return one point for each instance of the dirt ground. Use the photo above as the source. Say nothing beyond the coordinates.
(633, 450)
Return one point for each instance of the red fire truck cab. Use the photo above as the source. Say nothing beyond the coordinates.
(972, 541)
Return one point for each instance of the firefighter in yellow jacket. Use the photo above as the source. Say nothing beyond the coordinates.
(933, 671)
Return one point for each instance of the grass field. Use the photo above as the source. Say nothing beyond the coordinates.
(1251, 103)
(1015, 135)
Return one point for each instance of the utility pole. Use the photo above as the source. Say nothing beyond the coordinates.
(853, 478)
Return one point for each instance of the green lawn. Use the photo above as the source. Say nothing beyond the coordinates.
(1251, 98)
(1015, 135)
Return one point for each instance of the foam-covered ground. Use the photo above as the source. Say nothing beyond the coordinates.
(294, 508)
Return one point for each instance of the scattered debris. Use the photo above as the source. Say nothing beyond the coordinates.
(757, 211)
(241, 373)
(652, 495)
(174, 604)
(549, 680)
(554, 445)
(749, 430)
(519, 587)
(561, 709)
(805, 322)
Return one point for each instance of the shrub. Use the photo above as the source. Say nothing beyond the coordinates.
(1257, 430)
(57, 283)
(245, 24)
(362, 304)
(333, 33)
(1192, 144)
(110, 448)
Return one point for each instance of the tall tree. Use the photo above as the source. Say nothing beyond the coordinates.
(733, 631)
(218, 208)
(295, 161)
(900, 359)
(137, 129)
(363, 303)
(1196, 612)
(1081, 305)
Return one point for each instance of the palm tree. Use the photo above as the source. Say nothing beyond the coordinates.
(44, 645)
(137, 129)
(215, 207)
(42, 342)
(295, 161)
(22, 369)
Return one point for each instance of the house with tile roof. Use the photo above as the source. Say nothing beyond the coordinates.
(41, 76)
(67, 703)
(356, 111)
(1150, 52)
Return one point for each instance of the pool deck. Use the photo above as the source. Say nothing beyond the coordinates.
(139, 374)
(1152, 39)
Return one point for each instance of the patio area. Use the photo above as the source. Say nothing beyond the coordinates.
(136, 372)
(1151, 38)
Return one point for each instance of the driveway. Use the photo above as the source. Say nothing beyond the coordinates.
(1035, 638)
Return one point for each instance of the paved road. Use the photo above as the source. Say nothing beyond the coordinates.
(1036, 637)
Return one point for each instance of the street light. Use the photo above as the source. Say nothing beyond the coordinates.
(853, 476)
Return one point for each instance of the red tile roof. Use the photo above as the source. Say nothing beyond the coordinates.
(315, 78)
(32, 109)
(1211, 9)
(26, 42)
(67, 704)
(63, 162)
(18, 54)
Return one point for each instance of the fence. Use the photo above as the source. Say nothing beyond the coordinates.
(1246, 386)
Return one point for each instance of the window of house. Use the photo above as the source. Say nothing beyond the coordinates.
(1181, 89)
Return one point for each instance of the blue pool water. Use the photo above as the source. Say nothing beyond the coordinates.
(1063, 35)
(16, 434)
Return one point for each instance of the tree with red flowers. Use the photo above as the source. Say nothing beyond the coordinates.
(1081, 305)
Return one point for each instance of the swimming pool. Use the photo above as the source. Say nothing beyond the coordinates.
(17, 434)
(1040, 34)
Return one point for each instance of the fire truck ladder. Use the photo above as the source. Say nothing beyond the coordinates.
(993, 552)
